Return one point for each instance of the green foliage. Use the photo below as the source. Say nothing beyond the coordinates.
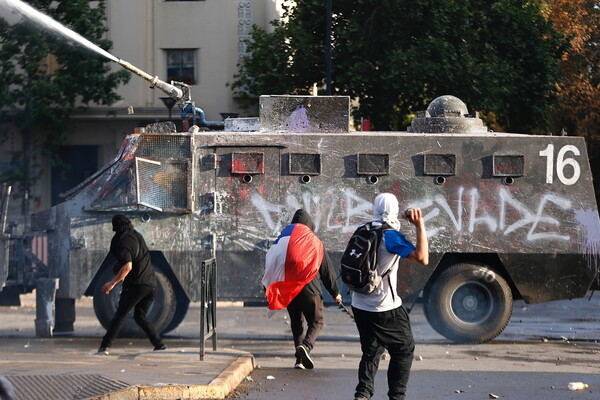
(395, 56)
(46, 77)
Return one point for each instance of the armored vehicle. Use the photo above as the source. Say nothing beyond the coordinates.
(508, 216)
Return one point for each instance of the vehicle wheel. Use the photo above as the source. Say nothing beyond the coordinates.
(181, 309)
(160, 314)
(469, 303)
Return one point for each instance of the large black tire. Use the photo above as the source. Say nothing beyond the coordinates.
(181, 309)
(469, 303)
(160, 314)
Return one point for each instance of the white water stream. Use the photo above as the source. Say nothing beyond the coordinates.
(8, 8)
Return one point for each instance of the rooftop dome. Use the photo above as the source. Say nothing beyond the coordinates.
(447, 114)
(443, 105)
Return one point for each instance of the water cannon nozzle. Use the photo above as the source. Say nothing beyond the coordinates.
(169, 89)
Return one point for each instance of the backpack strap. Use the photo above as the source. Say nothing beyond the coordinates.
(386, 227)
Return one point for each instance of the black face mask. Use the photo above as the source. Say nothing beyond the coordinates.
(121, 223)
(303, 217)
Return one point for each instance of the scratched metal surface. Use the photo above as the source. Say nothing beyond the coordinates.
(242, 189)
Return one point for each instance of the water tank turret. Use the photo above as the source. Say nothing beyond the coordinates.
(447, 114)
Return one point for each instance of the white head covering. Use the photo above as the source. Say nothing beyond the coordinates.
(385, 209)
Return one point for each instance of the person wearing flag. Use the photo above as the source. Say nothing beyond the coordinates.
(295, 266)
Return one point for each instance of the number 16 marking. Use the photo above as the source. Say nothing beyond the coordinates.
(561, 162)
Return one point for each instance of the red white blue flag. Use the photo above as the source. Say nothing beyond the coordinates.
(291, 262)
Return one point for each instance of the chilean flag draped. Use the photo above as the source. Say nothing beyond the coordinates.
(291, 262)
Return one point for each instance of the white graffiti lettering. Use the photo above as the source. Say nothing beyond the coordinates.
(466, 212)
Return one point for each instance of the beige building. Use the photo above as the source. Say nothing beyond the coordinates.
(196, 41)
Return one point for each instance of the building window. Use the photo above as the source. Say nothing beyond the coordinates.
(181, 65)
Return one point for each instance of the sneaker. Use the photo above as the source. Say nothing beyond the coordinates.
(302, 354)
(361, 398)
(298, 364)
(103, 351)
(160, 347)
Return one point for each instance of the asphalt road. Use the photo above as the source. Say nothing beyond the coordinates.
(544, 347)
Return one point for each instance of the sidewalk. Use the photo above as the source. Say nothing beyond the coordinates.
(68, 368)
(62, 368)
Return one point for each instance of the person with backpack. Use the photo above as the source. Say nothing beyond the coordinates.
(382, 321)
(295, 266)
(134, 268)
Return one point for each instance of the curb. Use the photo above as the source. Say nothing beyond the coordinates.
(219, 388)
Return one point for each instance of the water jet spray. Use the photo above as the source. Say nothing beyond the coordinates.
(177, 90)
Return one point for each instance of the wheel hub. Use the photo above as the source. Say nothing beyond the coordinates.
(472, 303)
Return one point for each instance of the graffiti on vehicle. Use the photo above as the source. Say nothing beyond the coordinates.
(590, 235)
(343, 210)
(503, 220)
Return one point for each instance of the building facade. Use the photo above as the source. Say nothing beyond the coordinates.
(196, 41)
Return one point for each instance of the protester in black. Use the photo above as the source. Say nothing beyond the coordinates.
(308, 303)
(139, 283)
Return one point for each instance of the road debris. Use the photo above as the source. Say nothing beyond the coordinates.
(574, 386)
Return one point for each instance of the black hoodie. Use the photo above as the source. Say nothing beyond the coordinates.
(128, 245)
(326, 271)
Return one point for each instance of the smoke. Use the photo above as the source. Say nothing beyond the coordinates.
(15, 11)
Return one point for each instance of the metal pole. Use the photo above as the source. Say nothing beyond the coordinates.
(202, 309)
(328, 48)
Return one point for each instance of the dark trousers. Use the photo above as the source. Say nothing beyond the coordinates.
(140, 297)
(310, 308)
(380, 331)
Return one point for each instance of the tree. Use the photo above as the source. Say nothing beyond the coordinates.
(577, 110)
(45, 77)
(578, 105)
(287, 61)
(395, 56)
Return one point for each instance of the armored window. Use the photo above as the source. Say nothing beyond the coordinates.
(439, 164)
(164, 146)
(373, 164)
(247, 163)
(163, 186)
(181, 65)
(305, 164)
(508, 165)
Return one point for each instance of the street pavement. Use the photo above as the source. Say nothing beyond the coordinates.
(68, 367)
(543, 348)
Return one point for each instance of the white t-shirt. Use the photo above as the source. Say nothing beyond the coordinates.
(385, 296)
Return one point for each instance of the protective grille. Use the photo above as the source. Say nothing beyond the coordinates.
(247, 163)
(373, 164)
(163, 185)
(508, 165)
(59, 387)
(440, 164)
(162, 146)
(302, 163)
